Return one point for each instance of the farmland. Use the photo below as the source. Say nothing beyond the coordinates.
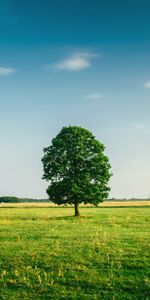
(46, 253)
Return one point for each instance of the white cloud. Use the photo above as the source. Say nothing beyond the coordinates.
(142, 128)
(26, 103)
(6, 71)
(147, 85)
(94, 96)
(78, 61)
(139, 126)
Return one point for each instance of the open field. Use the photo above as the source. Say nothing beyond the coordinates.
(45, 253)
(103, 204)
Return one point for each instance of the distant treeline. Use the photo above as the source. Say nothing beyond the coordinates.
(130, 199)
(12, 199)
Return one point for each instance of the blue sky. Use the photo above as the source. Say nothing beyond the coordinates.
(83, 63)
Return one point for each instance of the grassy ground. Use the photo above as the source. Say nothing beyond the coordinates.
(103, 204)
(45, 253)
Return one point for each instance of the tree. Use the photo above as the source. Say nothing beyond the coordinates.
(76, 168)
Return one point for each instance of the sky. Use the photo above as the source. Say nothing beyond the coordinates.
(83, 63)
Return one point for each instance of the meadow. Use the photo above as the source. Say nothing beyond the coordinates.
(46, 253)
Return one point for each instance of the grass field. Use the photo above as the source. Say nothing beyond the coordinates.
(103, 204)
(45, 253)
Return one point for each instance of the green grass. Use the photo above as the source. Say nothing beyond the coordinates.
(45, 253)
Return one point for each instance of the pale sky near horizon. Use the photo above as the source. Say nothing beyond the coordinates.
(84, 63)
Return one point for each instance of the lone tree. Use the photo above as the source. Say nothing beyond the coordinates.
(76, 168)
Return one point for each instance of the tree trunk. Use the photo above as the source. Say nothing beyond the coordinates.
(76, 206)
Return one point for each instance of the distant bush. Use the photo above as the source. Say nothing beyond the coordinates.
(9, 199)
(12, 199)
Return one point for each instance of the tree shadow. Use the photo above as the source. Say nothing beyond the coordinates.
(68, 218)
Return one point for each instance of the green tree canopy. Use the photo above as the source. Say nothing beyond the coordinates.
(76, 168)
